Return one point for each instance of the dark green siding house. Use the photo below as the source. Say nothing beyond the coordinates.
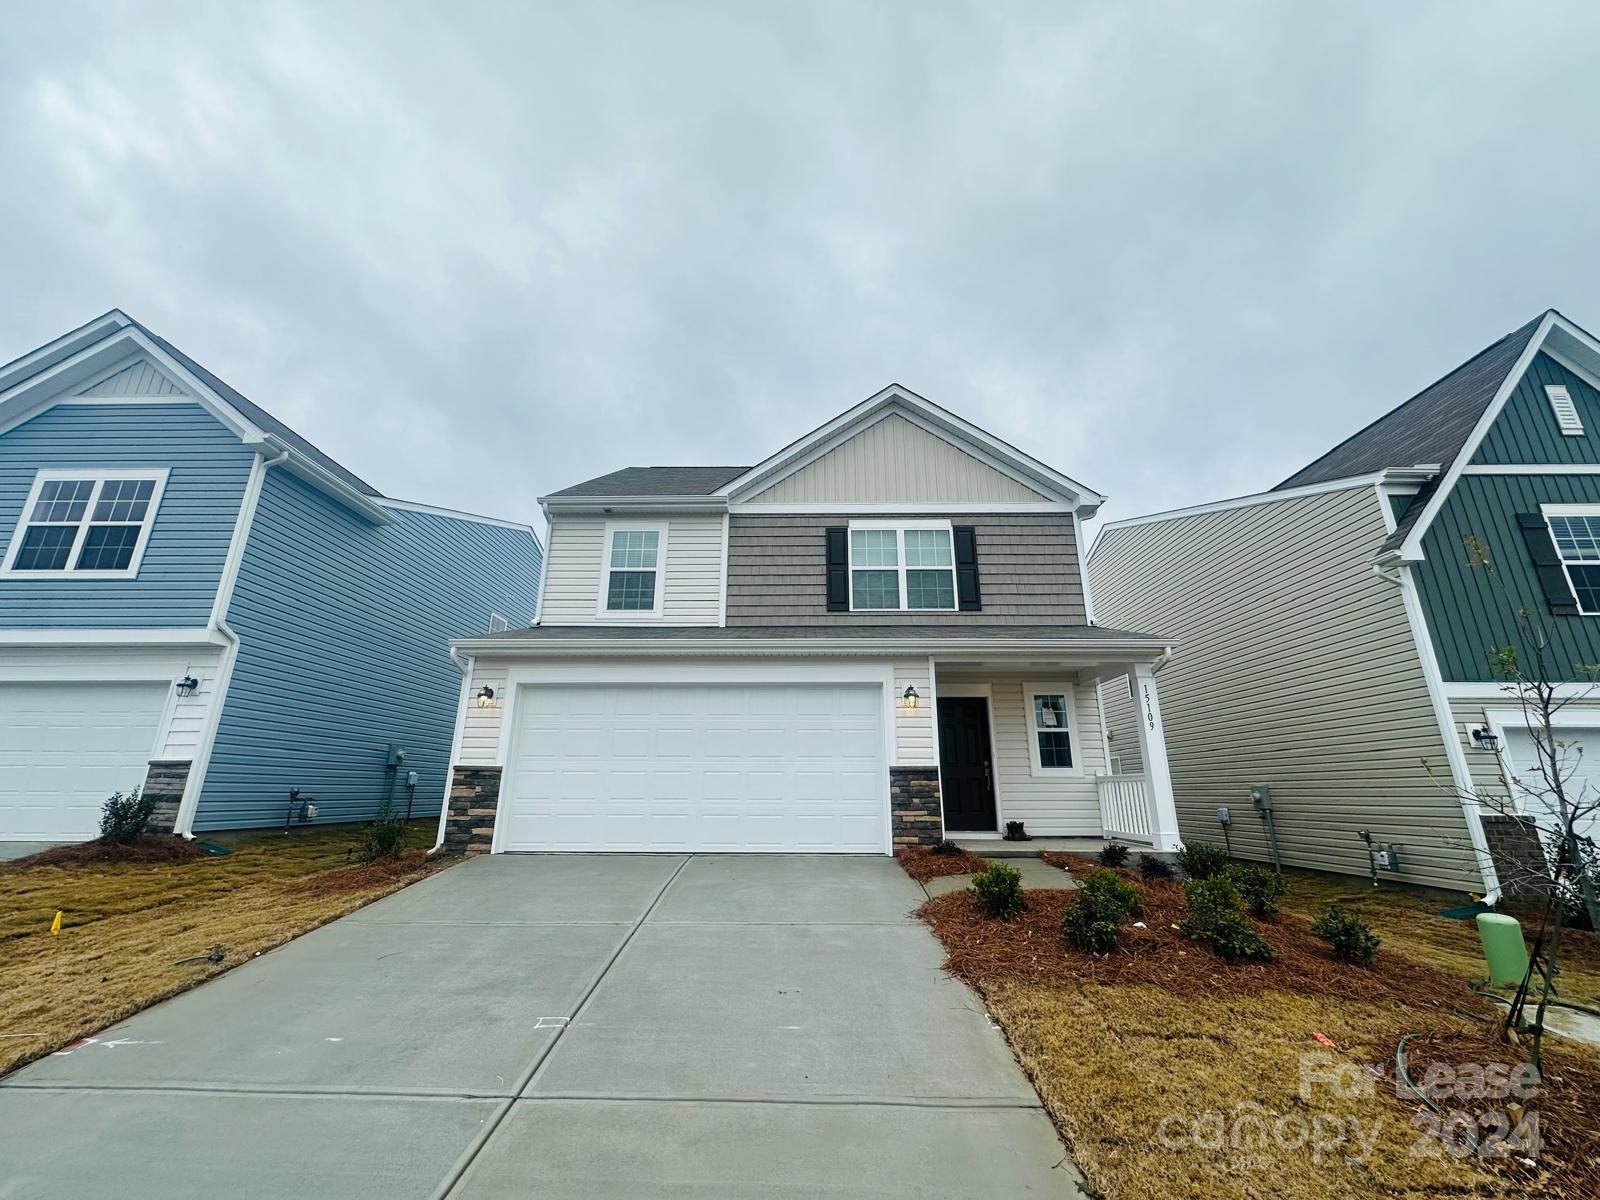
(1479, 501)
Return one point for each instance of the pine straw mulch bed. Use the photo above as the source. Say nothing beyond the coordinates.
(146, 848)
(403, 868)
(922, 864)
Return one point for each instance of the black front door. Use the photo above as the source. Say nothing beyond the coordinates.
(966, 771)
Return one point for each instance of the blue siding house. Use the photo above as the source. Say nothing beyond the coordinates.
(196, 601)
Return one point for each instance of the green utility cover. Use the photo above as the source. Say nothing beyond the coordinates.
(1503, 947)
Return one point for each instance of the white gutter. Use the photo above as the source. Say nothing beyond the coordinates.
(464, 665)
(184, 823)
(940, 648)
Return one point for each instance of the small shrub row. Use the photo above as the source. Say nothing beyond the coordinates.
(1113, 854)
(1201, 860)
(1260, 887)
(123, 818)
(1099, 907)
(999, 890)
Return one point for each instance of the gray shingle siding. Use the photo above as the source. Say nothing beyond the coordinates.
(1027, 566)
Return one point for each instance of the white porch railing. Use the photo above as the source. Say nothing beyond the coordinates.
(1124, 807)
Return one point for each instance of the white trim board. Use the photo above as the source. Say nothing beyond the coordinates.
(1532, 469)
(458, 515)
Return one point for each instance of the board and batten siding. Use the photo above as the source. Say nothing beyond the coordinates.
(690, 576)
(188, 541)
(1295, 668)
(1027, 570)
(1053, 804)
(344, 631)
(913, 733)
(1526, 430)
(895, 461)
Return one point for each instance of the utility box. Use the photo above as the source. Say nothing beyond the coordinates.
(397, 758)
(1261, 797)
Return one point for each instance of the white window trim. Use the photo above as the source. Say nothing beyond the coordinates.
(1571, 510)
(633, 614)
(1037, 768)
(1565, 409)
(900, 559)
(99, 475)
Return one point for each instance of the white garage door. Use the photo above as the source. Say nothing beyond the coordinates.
(65, 747)
(697, 767)
(1580, 757)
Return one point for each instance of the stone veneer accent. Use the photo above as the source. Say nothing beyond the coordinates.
(1518, 854)
(164, 782)
(914, 806)
(474, 797)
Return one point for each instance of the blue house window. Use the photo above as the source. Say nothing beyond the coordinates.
(85, 524)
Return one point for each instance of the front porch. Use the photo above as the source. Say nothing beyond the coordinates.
(1028, 742)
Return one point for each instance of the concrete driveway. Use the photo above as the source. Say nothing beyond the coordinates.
(566, 1026)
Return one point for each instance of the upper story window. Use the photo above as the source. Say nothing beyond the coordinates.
(1577, 539)
(901, 565)
(630, 585)
(85, 524)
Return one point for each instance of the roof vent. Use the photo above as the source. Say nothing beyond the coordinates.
(1566, 411)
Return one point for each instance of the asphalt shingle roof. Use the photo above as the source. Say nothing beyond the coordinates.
(654, 481)
(1431, 427)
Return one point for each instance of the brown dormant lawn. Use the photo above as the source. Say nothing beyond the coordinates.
(124, 926)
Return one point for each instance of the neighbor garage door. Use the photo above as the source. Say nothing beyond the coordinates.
(1580, 768)
(65, 747)
(697, 767)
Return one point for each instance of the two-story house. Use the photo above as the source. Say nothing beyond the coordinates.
(876, 637)
(196, 601)
(1337, 629)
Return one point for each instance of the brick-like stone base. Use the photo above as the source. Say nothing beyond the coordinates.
(1518, 854)
(914, 806)
(164, 782)
(474, 797)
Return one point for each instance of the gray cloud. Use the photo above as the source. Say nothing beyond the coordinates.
(479, 252)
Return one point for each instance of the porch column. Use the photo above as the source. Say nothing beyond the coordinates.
(1153, 744)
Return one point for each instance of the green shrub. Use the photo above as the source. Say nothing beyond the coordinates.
(1153, 866)
(999, 890)
(1202, 860)
(1261, 888)
(945, 848)
(383, 838)
(1102, 904)
(1113, 854)
(1216, 917)
(123, 818)
(1352, 938)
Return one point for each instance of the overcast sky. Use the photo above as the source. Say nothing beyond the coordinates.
(479, 252)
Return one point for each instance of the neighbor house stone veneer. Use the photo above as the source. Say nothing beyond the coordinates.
(1518, 854)
(164, 782)
(474, 797)
(914, 806)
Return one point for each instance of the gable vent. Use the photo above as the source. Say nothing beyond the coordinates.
(1566, 411)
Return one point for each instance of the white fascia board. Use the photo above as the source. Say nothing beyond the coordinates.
(1394, 475)
(110, 637)
(63, 347)
(943, 508)
(988, 448)
(1089, 649)
(457, 515)
(1411, 549)
(297, 464)
(604, 504)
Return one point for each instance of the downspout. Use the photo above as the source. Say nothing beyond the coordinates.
(1399, 574)
(464, 665)
(230, 652)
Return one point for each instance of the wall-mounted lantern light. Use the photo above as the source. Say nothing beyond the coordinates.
(188, 685)
(486, 697)
(1483, 738)
(910, 697)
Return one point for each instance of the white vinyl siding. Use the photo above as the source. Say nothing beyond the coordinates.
(1295, 669)
(688, 573)
(914, 742)
(895, 461)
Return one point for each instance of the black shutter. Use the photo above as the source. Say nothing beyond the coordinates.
(838, 570)
(968, 597)
(1547, 564)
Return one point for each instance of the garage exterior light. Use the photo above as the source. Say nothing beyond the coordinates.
(486, 697)
(910, 696)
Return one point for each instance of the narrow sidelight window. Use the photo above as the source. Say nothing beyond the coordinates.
(1051, 747)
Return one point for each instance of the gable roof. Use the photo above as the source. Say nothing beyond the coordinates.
(653, 481)
(1432, 426)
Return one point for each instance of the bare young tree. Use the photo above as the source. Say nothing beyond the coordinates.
(1553, 791)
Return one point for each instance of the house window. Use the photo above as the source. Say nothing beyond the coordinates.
(85, 524)
(630, 585)
(896, 566)
(1050, 732)
(1577, 539)
(1561, 403)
